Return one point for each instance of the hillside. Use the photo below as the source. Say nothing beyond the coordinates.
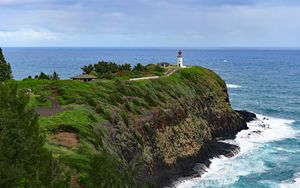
(112, 133)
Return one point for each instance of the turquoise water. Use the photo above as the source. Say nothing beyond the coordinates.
(266, 82)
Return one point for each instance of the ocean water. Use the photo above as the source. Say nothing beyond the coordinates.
(264, 81)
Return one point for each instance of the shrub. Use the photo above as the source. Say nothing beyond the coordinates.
(42, 98)
(125, 118)
(108, 171)
(82, 179)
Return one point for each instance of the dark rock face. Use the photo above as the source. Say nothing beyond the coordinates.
(226, 124)
(195, 166)
(247, 116)
(178, 146)
(178, 137)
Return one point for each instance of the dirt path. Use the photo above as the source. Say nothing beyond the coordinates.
(50, 111)
(169, 72)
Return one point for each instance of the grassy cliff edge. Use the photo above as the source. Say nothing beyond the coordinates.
(135, 133)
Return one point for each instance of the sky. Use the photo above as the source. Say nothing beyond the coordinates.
(150, 23)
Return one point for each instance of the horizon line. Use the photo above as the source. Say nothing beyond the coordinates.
(160, 47)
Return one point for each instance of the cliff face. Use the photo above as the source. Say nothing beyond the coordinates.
(165, 139)
(141, 132)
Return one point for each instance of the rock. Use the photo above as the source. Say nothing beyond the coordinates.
(247, 116)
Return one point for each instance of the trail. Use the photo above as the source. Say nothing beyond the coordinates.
(169, 72)
(50, 111)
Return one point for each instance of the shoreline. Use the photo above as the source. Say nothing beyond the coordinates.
(215, 149)
(195, 167)
(261, 130)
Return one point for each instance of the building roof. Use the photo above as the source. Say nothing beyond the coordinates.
(164, 63)
(84, 76)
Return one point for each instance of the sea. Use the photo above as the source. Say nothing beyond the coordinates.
(263, 81)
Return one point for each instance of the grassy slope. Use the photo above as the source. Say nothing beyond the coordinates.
(93, 106)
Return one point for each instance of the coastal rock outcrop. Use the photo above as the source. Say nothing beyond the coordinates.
(141, 133)
(247, 116)
(167, 140)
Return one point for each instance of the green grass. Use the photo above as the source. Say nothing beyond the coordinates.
(58, 150)
(74, 119)
(35, 101)
(70, 157)
(98, 104)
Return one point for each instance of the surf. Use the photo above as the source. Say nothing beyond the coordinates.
(233, 86)
(225, 171)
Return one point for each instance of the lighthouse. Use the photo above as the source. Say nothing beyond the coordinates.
(180, 60)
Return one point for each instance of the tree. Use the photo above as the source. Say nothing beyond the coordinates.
(139, 67)
(125, 67)
(55, 76)
(87, 69)
(102, 67)
(5, 68)
(43, 76)
(24, 160)
(113, 67)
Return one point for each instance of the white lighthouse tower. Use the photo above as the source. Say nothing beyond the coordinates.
(180, 60)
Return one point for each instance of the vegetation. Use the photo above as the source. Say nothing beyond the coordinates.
(109, 168)
(5, 69)
(126, 130)
(44, 76)
(24, 160)
(110, 70)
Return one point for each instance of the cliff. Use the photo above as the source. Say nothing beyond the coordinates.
(153, 129)
(169, 137)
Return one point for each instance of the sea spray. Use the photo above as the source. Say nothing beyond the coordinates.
(225, 171)
(233, 86)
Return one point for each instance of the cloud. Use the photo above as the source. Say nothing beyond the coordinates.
(36, 2)
(218, 3)
(28, 35)
(149, 22)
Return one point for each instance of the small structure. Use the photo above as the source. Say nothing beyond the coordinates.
(180, 59)
(164, 64)
(84, 77)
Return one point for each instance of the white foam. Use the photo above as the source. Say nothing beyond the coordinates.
(294, 184)
(226, 171)
(265, 129)
(233, 86)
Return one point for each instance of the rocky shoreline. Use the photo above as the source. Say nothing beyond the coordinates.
(196, 166)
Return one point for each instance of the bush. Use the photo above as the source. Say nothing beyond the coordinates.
(108, 171)
(82, 179)
(42, 98)
(99, 109)
(125, 118)
(159, 68)
(91, 101)
(108, 75)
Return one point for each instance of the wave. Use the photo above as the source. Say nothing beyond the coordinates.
(233, 86)
(294, 184)
(263, 130)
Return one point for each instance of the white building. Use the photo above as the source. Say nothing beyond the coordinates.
(180, 60)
